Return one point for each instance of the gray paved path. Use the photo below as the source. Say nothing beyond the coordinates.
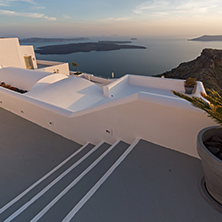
(27, 152)
(153, 184)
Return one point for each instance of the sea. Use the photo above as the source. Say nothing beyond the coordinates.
(161, 54)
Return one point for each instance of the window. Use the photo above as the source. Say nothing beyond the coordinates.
(28, 62)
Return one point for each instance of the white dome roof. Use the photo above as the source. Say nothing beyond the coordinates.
(21, 78)
(72, 93)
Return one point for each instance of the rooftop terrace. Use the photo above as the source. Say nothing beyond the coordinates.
(152, 183)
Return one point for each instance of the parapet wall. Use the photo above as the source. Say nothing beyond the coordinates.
(167, 121)
(149, 82)
(54, 67)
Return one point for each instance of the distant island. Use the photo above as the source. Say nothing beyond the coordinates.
(37, 39)
(205, 38)
(133, 39)
(86, 47)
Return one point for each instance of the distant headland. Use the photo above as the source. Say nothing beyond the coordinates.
(205, 38)
(37, 39)
(86, 47)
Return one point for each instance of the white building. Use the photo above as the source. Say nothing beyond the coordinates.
(21, 56)
(62, 103)
(134, 157)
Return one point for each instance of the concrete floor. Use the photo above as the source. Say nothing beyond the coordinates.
(27, 152)
(152, 184)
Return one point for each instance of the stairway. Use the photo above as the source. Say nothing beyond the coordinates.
(64, 190)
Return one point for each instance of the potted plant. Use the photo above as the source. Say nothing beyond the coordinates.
(190, 85)
(209, 141)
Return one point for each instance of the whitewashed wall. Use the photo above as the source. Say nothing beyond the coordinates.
(115, 86)
(54, 67)
(166, 121)
(27, 50)
(10, 54)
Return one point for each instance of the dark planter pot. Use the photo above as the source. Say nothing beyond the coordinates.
(212, 166)
(189, 90)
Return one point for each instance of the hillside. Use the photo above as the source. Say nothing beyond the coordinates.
(206, 68)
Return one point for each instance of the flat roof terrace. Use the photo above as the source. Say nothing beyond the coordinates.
(153, 183)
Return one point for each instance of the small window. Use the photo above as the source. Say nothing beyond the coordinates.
(28, 62)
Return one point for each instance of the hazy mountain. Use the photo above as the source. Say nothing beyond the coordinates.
(37, 39)
(208, 38)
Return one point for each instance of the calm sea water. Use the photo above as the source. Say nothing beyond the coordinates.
(160, 55)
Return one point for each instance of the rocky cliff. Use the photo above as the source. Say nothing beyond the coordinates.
(207, 68)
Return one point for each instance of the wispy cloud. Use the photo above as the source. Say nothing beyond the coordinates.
(178, 7)
(117, 19)
(30, 15)
(37, 7)
(7, 2)
(33, 7)
(4, 3)
(67, 17)
(153, 5)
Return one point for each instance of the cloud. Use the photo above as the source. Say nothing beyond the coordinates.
(7, 2)
(4, 3)
(27, 1)
(120, 19)
(67, 17)
(153, 5)
(38, 7)
(29, 15)
(178, 7)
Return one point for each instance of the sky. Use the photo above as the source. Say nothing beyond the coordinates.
(70, 18)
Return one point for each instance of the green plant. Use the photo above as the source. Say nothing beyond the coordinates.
(212, 104)
(77, 66)
(78, 73)
(190, 82)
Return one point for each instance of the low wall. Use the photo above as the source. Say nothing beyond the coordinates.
(163, 83)
(54, 67)
(109, 90)
(167, 121)
(98, 79)
(149, 82)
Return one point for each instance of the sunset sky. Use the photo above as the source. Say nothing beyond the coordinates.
(67, 18)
